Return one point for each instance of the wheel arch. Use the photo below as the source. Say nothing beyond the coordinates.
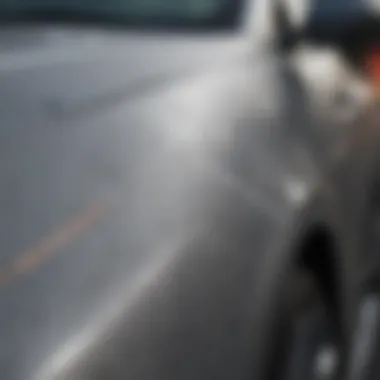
(319, 253)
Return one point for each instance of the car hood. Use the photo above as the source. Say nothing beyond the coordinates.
(104, 179)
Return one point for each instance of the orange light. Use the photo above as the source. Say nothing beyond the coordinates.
(373, 68)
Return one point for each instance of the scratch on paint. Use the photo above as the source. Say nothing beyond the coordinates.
(34, 257)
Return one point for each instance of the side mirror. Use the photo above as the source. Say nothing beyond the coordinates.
(349, 25)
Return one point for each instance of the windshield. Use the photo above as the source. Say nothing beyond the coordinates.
(138, 13)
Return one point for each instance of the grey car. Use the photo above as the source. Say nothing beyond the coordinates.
(189, 191)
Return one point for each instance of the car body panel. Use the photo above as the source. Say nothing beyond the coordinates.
(153, 188)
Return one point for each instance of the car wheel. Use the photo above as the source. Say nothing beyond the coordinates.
(363, 364)
(307, 345)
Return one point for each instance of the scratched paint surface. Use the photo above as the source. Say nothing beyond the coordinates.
(102, 174)
(71, 228)
(31, 259)
(69, 234)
